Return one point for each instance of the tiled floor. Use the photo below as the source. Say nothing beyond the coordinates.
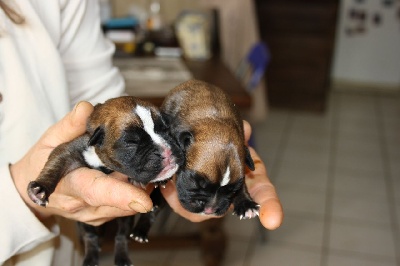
(338, 177)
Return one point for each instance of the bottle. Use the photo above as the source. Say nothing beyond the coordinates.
(154, 22)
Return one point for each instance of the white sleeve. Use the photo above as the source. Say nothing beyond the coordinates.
(20, 229)
(87, 54)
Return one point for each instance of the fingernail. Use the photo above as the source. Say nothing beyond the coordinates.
(76, 107)
(77, 119)
(136, 206)
(74, 110)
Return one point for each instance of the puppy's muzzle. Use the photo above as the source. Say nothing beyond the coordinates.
(170, 166)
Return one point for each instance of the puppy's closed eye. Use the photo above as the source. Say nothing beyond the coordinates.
(232, 188)
(134, 136)
(185, 138)
(194, 180)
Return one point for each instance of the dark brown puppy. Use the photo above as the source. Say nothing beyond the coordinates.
(209, 129)
(126, 135)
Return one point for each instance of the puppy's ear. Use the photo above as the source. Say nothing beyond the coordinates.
(97, 138)
(248, 160)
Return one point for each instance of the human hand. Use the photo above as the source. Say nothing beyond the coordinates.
(258, 184)
(261, 189)
(85, 194)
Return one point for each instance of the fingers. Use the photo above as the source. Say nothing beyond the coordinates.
(106, 191)
(97, 189)
(261, 189)
(70, 127)
(91, 215)
(99, 215)
(271, 213)
(264, 193)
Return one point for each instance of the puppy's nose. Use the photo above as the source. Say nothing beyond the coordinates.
(168, 158)
(209, 210)
(167, 153)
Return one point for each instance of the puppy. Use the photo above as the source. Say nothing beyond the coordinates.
(126, 135)
(210, 131)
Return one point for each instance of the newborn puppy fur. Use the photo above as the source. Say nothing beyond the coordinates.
(126, 135)
(209, 129)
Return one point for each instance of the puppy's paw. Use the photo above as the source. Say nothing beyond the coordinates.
(246, 209)
(38, 194)
(139, 238)
(161, 183)
(139, 235)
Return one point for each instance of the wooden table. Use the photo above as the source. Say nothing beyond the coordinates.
(213, 71)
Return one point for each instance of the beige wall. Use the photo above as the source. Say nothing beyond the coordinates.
(169, 8)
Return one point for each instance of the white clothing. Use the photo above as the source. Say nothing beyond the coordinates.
(57, 58)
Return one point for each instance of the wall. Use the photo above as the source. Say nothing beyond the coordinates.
(368, 53)
(169, 8)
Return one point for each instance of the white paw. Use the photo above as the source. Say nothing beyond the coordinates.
(250, 213)
(140, 239)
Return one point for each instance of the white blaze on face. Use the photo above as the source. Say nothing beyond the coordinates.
(226, 178)
(92, 158)
(148, 124)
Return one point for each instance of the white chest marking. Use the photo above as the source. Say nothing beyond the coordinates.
(225, 180)
(148, 124)
(91, 158)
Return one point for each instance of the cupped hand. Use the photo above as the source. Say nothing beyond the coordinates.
(258, 184)
(262, 190)
(85, 194)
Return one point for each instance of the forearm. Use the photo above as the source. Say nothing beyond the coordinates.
(21, 229)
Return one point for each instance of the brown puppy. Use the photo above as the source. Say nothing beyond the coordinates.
(209, 129)
(126, 135)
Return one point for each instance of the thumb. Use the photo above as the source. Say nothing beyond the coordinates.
(71, 126)
(263, 192)
(247, 130)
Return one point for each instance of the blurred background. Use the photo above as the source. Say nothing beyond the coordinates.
(325, 116)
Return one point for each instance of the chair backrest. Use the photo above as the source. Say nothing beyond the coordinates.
(252, 68)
